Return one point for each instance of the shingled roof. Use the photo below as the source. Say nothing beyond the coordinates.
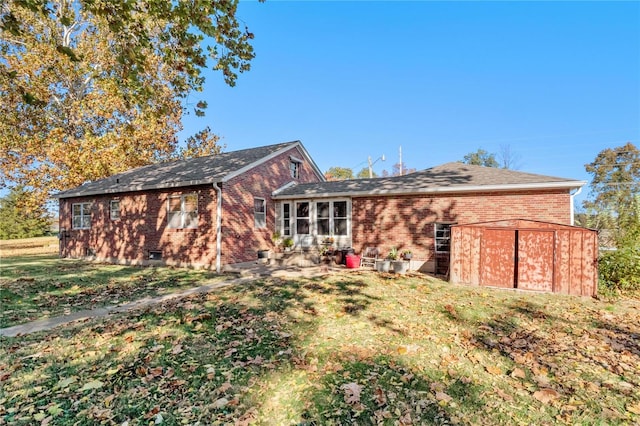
(449, 177)
(193, 171)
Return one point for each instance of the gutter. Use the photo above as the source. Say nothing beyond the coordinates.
(218, 187)
(435, 190)
(571, 204)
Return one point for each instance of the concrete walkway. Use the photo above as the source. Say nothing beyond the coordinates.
(248, 272)
(49, 323)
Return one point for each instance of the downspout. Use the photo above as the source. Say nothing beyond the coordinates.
(218, 187)
(572, 196)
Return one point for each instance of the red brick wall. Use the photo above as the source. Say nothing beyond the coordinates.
(142, 227)
(240, 239)
(407, 222)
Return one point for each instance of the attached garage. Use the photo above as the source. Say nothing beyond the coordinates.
(526, 255)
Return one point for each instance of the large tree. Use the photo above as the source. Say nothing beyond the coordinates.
(481, 158)
(338, 173)
(18, 222)
(89, 88)
(615, 190)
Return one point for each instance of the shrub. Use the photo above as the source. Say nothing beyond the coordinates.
(620, 270)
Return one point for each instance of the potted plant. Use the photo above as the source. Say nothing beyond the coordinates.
(276, 237)
(399, 266)
(407, 255)
(393, 254)
(383, 265)
(287, 243)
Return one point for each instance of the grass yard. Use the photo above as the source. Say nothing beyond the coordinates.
(352, 348)
(41, 285)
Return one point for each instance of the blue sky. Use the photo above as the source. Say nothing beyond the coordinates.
(555, 81)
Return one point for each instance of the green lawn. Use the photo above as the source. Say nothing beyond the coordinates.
(40, 286)
(351, 348)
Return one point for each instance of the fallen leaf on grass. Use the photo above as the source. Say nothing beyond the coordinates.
(94, 384)
(156, 371)
(222, 402)
(493, 370)
(504, 395)
(518, 373)
(65, 383)
(452, 310)
(546, 395)
(635, 409)
(443, 397)
(224, 387)
(379, 396)
(351, 392)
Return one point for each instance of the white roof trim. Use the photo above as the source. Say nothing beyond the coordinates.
(443, 189)
(263, 160)
(283, 187)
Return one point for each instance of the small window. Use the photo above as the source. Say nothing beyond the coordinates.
(259, 213)
(286, 219)
(81, 213)
(183, 211)
(295, 169)
(114, 209)
(443, 237)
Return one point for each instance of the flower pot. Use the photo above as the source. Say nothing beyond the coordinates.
(400, 266)
(407, 256)
(383, 265)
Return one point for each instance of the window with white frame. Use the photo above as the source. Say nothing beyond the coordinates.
(331, 218)
(303, 218)
(322, 218)
(294, 167)
(286, 219)
(183, 211)
(259, 212)
(114, 209)
(81, 216)
(340, 218)
(442, 237)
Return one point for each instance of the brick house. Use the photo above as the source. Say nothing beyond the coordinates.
(414, 212)
(220, 210)
(201, 212)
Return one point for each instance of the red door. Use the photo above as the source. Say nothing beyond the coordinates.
(497, 257)
(535, 260)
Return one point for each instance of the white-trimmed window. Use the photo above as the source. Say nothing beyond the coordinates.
(259, 212)
(340, 226)
(294, 167)
(81, 213)
(286, 219)
(442, 234)
(331, 218)
(114, 209)
(183, 211)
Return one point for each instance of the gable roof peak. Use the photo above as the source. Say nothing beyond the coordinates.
(184, 172)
